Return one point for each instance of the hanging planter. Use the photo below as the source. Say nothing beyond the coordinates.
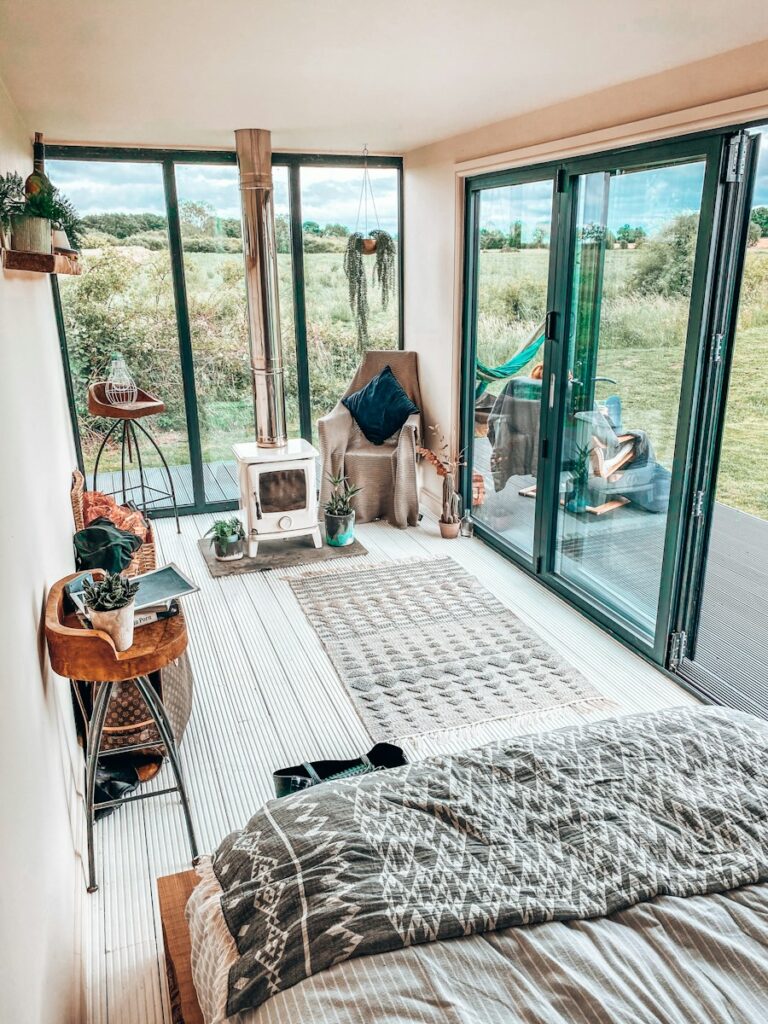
(368, 243)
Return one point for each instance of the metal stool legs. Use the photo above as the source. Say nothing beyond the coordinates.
(130, 440)
(160, 718)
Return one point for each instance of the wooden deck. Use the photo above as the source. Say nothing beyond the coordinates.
(266, 695)
(220, 482)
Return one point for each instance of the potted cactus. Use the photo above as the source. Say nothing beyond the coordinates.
(227, 539)
(339, 514)
(110, 603)
(447, 467)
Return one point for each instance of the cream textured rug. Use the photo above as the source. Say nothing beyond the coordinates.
(426, 651)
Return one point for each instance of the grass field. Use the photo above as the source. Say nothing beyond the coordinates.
(642, 341)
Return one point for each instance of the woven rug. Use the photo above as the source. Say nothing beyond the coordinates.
(424, 648)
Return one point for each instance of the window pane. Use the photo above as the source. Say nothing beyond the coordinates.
(331, 209)
(634, 251)
(512, 276)
(211, 232)
(123, 302)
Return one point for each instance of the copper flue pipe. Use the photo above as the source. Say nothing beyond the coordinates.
(254, 161)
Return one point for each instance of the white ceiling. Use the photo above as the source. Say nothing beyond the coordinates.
(335, 74)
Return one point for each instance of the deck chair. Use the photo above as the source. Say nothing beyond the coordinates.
(387, 472)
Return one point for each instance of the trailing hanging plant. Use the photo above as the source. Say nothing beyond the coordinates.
(384, 270)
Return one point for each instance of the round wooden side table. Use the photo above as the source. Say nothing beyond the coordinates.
(89, 654)
(126, 417)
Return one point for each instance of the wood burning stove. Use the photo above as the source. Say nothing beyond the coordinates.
(278, 492)
(278, 488)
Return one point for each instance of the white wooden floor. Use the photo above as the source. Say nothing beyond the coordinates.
(266, 696)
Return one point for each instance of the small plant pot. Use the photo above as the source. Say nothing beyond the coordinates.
(118, 624)
(368, 246)
(30, 234)
(339, 530)
(449, 531)
(230, 551)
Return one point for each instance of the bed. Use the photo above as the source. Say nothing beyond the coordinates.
(610, 872)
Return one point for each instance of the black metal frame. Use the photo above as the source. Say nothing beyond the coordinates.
(167, 160)
(706, 293)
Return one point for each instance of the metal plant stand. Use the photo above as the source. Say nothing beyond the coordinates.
(126, 417)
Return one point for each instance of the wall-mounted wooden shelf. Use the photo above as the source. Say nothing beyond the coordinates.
(40, 262)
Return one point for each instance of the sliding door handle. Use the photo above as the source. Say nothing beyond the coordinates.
(551, 390)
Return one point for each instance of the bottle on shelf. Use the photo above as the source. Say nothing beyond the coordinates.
(120, 388)
(37, 180)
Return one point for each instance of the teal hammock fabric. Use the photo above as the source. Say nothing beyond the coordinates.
(487, 374)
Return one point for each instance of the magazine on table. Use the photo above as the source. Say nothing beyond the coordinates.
(156, 598)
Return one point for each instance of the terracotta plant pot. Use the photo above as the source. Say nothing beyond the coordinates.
(118, 624)
(30, 234)
(369, 246)
(339, 530)
(230, 551)
(449, 530)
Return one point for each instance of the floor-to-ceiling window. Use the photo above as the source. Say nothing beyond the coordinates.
(163, 284)
(587, 367)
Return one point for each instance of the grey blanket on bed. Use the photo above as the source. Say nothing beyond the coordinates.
(577, 823)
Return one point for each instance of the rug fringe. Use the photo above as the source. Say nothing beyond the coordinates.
(453, 741)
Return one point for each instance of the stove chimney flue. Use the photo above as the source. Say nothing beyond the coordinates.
(254, 161)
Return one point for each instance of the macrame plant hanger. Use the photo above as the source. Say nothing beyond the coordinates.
(366, 190)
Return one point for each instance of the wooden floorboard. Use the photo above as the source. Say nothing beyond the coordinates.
(266, 696)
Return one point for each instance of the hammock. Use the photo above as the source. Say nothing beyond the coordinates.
(487, 374)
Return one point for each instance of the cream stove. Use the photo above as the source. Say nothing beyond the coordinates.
(278, 492)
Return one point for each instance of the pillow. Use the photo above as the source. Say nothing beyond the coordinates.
(381, 407)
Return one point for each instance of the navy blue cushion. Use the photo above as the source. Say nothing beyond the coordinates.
(381, 407)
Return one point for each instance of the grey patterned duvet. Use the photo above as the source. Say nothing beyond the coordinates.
(569, 825)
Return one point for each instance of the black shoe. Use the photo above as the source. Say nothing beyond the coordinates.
(301, 776)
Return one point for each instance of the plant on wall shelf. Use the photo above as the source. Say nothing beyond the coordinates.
(47, 204)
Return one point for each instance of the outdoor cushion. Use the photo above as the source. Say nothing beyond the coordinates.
(381, 407)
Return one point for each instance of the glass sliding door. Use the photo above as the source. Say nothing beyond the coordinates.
(511, 247)
(211, 237)
(636, 255)
(124, 302)
(331, 209)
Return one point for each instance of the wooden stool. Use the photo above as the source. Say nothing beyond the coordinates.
(80, 653)
(127, 415)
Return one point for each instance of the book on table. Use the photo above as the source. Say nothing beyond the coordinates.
(156, 598)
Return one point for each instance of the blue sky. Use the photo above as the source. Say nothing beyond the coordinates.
(329, 194)
(646, 198)
(332, 195)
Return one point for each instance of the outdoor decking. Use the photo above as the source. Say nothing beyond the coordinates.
(220, 482)
(266, 695)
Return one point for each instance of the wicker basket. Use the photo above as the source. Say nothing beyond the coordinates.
(127, 722)
(144, 560)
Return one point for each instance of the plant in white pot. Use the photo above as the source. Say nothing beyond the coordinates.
(339, 514)
(447, 466)
(33, 216)
(227, 537)
(110, 602)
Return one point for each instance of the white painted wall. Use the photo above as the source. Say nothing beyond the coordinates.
(41, 881)
(723, 90)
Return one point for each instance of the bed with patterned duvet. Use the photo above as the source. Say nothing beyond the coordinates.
(609, 872)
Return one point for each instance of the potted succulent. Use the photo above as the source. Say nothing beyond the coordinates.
(339, 514)
(447, 467)
(110, 602)
(381, 244)
(227, 537)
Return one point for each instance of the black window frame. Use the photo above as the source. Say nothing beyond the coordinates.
(167, 159)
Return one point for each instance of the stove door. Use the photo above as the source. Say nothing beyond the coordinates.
(280, 496)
